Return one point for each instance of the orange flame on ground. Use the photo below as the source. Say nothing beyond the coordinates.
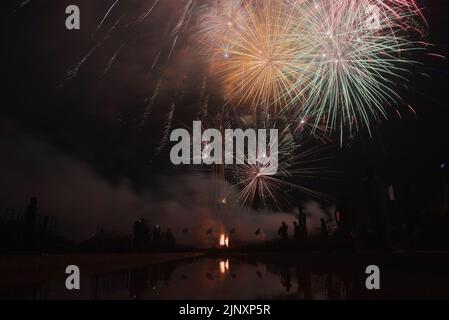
(224, 240)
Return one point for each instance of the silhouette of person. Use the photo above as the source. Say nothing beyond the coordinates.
(156, 237)
(297, 231)
(303, 222)
(343, 217)
(138, 282)
(285, 279)
(283, 231)
(170, 240)
(330, 287)
(140, 235)
(304, 282)
(376, 198)
(324, 228)
(30, 223)
(410, 215)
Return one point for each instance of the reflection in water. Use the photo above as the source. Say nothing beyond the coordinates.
(204, 278)
(208, 278)
(149, 278)
(224, 266)
(285, 278)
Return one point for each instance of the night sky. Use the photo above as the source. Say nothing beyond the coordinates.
(77, 144)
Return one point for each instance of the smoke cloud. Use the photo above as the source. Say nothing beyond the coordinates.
(82, 200)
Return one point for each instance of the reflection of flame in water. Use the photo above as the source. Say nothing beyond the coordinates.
(224, 266)
(224, 240)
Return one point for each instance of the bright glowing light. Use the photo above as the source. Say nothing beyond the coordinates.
(224, 266)
(224, 241)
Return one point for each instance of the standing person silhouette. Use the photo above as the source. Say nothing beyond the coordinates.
(302, 218)
(30, 224)
(283, 231)
(376, 198)
(343, 216)
(296, 231)
(324, 228)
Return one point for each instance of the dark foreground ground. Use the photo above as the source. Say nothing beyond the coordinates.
(25, 270)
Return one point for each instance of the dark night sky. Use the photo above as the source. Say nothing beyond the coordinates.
(91, 119)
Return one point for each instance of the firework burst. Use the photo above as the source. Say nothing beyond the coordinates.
(340, 61)
(218, 22)
(254, 186)
(354, 65)
(259, 65)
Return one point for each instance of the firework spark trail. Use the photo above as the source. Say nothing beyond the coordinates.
(308, 127)
(21, 5)
(182, 23)
(396, 8)
(114, 26)
(172, 48)
(217, 24)
(204, 101)
(203, 88)
(145, 15)
(204, 109)
(111, 61)
(154, 64)
(73, 71)
(106, 15)
(187, 10)
(167, 128)
(149, 107)
(189, 15)
(314, 59)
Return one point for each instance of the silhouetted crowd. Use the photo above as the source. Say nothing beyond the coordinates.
(154, 239)
(385, 218)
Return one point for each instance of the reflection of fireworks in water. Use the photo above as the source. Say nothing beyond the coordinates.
(252, 184)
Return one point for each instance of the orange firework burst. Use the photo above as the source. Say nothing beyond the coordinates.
(260, 66)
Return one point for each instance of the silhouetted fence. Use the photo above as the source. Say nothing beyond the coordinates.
(17, 236)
